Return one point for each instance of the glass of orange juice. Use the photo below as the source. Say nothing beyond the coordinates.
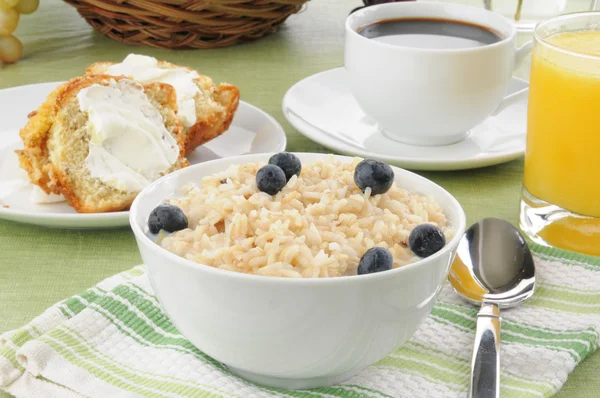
(560, 204)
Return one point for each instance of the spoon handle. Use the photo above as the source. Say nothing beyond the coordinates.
(485, 365)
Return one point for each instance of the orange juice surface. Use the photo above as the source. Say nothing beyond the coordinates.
(562, 161)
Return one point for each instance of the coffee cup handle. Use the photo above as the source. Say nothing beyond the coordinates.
(521, 54)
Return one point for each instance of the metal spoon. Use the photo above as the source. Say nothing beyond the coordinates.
(493, 267)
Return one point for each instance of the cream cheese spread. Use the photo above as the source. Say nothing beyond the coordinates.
(129, 144)
(145, 69)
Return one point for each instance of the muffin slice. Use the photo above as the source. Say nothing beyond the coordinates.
(99, 140)
(205, 108)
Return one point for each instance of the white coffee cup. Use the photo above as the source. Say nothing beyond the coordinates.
(424, 96)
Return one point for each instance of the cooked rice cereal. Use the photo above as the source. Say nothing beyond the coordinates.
(319, 225)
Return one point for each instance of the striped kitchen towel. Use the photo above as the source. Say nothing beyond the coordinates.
(114, 341)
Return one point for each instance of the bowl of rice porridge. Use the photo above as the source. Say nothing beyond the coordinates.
(296, 270)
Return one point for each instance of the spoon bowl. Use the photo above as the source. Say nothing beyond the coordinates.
(493, 267)
(493, 264)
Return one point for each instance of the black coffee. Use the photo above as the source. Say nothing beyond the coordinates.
(430, 33)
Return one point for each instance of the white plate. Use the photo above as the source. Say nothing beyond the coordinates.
(252, 131)
(322, 108)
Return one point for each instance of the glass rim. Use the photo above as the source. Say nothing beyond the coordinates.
(541, 40)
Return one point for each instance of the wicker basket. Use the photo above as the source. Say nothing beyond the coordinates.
(186, 24)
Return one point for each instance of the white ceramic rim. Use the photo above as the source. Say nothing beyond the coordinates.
(145, 240)
(118, 215)
(351, 30)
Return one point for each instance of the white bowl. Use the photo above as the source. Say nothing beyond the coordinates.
(292, 333)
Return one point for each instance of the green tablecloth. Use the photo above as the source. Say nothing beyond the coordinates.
(40, 266)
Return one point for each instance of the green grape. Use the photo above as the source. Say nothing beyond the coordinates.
(27, 6)
(6, 4)
(9, 19)
(11, 49)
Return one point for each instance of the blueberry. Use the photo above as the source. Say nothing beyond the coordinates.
(374, 174)
(270, 179)
(376, 259)
(167, 217)
(289, 163)
(426, 239)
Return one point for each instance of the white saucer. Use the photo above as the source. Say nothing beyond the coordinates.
(322, 108)
(252, 131)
